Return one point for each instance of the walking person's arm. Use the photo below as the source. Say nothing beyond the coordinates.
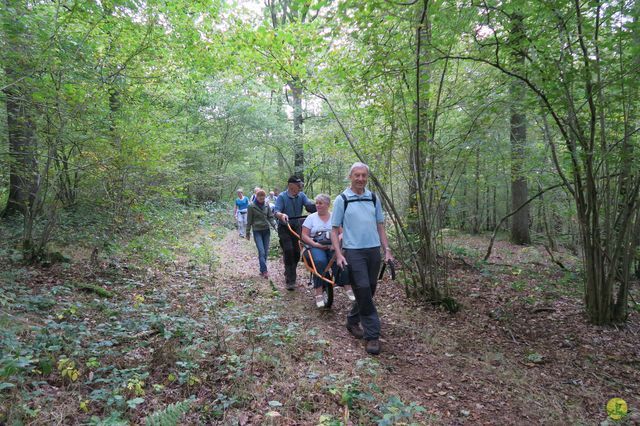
(384, 242)
(337, 218)
(279, 209)
(309, 205)
(271, 217)
(249, 223)
(335, 244)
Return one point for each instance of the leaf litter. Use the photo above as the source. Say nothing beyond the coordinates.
(248, 352)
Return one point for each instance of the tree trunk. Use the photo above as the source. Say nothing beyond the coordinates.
(476, 194)
(494, 219)
(636, 245)
(23, 171)
(463, 212)
(487, 208)
(518, 138)
(423, 169)
(298, 146)
(23, 166)
(283, 12)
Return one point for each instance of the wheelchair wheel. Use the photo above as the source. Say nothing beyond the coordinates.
(327, 293)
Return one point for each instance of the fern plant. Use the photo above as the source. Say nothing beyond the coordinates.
(170, 415)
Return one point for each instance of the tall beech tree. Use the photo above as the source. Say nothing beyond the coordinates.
(293, 13)
(518, 136)
(19, 69)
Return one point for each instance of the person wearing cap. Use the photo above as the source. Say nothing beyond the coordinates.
(288, 209)
(363, 235)
(240, 212)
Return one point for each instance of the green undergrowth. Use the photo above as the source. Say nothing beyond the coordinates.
(149, 336)
(144, 353)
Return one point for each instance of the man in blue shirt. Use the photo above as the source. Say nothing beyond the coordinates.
(359, 214)
(289, 204)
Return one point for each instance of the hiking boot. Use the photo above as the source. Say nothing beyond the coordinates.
(355, 330)
(291, 286)
(265, 274)
(320, 301)
(373, 347)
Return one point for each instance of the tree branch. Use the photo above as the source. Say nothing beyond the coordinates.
(495, 231)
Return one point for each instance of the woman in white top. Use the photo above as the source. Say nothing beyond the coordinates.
(316, 233)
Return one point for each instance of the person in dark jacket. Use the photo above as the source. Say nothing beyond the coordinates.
(288, 209)
(260, 218)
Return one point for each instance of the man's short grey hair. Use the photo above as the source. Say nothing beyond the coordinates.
(324, 198)
(358, 165)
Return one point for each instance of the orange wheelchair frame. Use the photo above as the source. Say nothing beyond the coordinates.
(309, 264)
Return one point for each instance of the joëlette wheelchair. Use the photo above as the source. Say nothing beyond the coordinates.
(329, 279)
(327, 276)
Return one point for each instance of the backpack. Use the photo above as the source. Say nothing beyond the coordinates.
(373, 199)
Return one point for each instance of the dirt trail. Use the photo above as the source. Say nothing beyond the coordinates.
(498, 361)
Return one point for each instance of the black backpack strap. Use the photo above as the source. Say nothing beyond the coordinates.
(346, 202)
(373, 199)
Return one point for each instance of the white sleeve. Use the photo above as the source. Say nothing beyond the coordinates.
(308, 222)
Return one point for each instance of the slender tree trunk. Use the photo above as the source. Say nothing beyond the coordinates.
(487, 209)
(476, 193)
(507, 206)
(413, 227)
(636, 245)
(423, 169)
(633, 120)
(280, 158)
(298, 147)
(518, 137)
(463, 214)
(494, 220)
(544, 217)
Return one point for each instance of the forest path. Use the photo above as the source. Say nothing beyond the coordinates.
(428, 357)
(498, 361)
